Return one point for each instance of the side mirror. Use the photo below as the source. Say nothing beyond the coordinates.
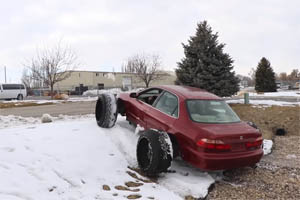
(133, 95)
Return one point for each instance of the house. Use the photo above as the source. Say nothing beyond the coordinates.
(83, 80)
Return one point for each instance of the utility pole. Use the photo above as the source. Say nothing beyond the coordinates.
(5, 73)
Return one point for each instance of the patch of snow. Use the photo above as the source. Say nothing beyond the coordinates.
(13, 121)
(138, 129)
(265, 102)
(73, 99)
(295, 93)
(97, 92)
(46, 118)
(115, 91)
(66, 160)
(72, 158)
(187, 180)
(267, 146)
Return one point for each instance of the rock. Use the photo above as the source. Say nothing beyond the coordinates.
(106, 187)
(134, 196)
(133, 184)
(189, 197)
(46, 118)
(61, 97)
(120, 187)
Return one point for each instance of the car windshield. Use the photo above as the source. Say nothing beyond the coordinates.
(211, 111)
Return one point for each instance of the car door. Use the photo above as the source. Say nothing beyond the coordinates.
(164, 112)
(141, 105)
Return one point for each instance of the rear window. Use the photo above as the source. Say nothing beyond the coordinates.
(211, 111)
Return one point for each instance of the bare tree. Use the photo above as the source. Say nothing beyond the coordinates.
(146, 67)
(52, 65)
(26, 78)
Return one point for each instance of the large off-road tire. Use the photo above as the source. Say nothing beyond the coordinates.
(106, 110)
(154, 152)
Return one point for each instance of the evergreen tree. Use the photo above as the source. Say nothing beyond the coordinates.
(205, 65)
(265, 77)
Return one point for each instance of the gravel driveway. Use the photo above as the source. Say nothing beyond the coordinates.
(276, 177)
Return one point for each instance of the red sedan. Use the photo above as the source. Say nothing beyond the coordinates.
(184, 121)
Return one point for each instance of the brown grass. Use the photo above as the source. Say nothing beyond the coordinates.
(269, 119)
(22, 104)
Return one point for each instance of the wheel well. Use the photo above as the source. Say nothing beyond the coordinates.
(121, 106)
(175, 144)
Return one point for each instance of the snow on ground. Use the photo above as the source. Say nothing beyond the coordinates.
(283, 93)
(73, 159)
(116, 91)
(97, 92)
(66, 160)
(268, 144)
(73, 99)
(265, 102)
(13, 121)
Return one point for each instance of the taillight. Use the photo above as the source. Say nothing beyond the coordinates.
(256, 144)
(213, 145)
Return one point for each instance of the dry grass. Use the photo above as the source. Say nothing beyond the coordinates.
(21, 104)
(269, 119)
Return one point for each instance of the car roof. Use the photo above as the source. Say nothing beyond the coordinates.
(188, 92)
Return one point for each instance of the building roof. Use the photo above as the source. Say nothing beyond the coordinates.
(161, 72)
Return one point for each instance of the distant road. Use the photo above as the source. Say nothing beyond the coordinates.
(69, 108)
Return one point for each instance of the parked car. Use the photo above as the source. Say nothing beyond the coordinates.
(12, 91)
(183, 121)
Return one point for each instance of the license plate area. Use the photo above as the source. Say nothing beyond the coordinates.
(238, 147)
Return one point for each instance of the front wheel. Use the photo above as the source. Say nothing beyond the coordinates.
(154, 152)
(106, 110)
(20, 97)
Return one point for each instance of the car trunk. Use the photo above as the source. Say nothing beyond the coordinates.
(234, 134)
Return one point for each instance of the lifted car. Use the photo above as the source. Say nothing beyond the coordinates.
(183, 121)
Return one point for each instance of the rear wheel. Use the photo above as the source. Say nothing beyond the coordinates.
(106, 110)
(154, 154)
(20, 97)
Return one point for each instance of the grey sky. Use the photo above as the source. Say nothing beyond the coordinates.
(105, 33)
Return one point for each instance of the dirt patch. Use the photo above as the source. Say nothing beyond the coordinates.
(270, 119)
(21, 104)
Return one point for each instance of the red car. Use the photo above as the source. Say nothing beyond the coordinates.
(184, 121)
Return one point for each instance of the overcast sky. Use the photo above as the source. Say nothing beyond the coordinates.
(105, 33)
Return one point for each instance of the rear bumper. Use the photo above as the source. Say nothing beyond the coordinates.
(223, 161)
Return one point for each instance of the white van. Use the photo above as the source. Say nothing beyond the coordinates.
(12, 91)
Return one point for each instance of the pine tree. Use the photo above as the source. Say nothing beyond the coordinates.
(205, 65)
(265, 77)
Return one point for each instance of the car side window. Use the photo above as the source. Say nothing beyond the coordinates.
(168, 103)
(149, 96)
